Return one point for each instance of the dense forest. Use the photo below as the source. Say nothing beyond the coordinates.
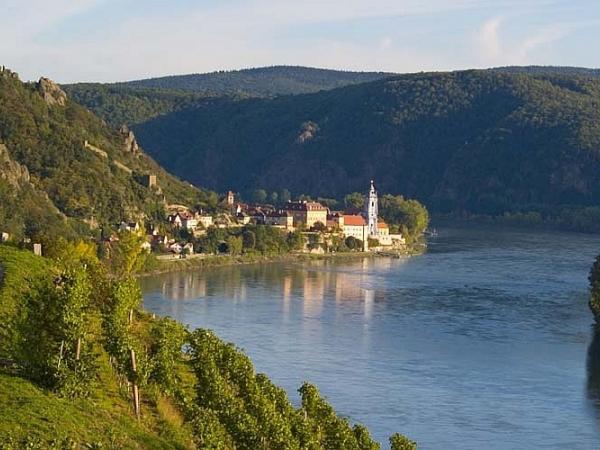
(261, 82)
(549, 70)
(136, 101)
(471, 142)
(52, 183)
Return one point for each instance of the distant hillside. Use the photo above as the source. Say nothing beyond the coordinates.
(471, 141)
(120, 104)
(549, 70)
(137, 101)
(261, 82)
(52, 182)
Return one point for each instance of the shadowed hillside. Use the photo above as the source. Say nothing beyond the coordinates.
(474, 141)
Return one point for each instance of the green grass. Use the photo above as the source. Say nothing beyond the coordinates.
(32, 417)
(17, 268)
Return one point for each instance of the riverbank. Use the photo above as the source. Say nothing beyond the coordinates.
(159, 266)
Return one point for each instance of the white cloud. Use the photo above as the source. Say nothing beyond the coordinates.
(139, 42)
(497, 49)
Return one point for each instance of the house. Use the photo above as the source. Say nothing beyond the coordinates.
(176, 248)
(4, 237)
(188, 249)
(129, 226)
(243, 218)
(355, 225)
(175, 219)
(146, 246)
(305, 213)
(189, 222)
(205, 220)
(335, 220)
(280, 219)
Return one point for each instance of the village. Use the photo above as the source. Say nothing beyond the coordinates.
(319, 227)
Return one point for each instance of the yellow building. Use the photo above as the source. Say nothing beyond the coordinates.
(306, 213)
(355, 226)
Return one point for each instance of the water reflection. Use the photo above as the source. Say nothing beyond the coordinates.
(312, 283)
(480, 343)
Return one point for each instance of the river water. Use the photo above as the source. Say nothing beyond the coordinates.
(484, 342)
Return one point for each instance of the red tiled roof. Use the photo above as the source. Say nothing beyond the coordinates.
(354, 220)
(381, 224)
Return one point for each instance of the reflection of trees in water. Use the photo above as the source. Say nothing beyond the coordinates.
(347, 282)
(593, 370)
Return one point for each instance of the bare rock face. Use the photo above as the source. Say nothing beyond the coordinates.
(308, 131)
(11, 171)
(130, 144)
(51, 92)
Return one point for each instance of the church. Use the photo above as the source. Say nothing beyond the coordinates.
(376, 228)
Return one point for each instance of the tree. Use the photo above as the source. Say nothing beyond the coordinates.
(285, 196)
(409, 215)
(353, 244)
(295, 241)
(55, 333)
(594, 279)
(249, 240)
(259, 196)
(372, 242)
(128, 255)
(274, 197)
(400, 442)
(235, 245)
(354, 200)
(319, 227)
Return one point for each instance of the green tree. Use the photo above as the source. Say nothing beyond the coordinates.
(56, 342)
(235, 244)
(128, 256)
(409, 215)
(594, 278)
(354, 200)
(259, 196)
(249, 240)
(400, 442)
(295, 241)
(353, 244)
(285, 196)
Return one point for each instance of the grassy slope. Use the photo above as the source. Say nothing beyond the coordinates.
(17, 267)
(31, 415)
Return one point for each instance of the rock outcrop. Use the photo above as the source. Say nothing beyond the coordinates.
(51, 92)
(308, 131)
(12, 172)
(130, 144)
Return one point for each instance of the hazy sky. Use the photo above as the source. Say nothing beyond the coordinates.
(109, 40)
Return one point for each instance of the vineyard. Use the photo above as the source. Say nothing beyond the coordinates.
(83, 366)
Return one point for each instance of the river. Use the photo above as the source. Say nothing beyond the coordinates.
(484, 342)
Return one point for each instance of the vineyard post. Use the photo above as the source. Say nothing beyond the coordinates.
(136, 393)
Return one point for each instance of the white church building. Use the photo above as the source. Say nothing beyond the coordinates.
(375, 227)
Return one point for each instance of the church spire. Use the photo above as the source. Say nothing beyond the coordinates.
(372, 212)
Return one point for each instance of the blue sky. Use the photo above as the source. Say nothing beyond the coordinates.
(111, 40)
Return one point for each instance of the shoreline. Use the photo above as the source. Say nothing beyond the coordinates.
(180, 265)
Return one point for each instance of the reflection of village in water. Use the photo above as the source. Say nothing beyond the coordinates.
(351, 282)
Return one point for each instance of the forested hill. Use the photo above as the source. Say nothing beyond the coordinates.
(471, 141)
(52, 183)
(549, 70)
(261, 82)
(136, 101)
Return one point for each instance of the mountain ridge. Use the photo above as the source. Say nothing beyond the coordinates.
(475, 141)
